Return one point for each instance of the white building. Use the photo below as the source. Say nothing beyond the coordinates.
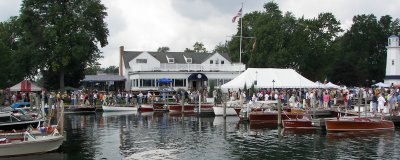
(142, 69)
(393, 61)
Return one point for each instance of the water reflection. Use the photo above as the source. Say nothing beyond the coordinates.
(159, 135)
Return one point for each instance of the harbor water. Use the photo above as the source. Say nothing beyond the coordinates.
(125, 135)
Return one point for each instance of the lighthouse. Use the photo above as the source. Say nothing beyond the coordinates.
(393, 61)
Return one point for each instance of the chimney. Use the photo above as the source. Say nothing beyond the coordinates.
(121, 53)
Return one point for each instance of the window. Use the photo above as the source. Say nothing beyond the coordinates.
(222, 62)
(180, 82)
(189, 60)
(171, 60)
(392, 62)
(141, 60)
(211, 62)
(148, 82)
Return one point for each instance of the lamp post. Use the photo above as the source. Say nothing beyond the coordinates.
(273, 81)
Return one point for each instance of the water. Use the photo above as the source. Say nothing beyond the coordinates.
(115, 136)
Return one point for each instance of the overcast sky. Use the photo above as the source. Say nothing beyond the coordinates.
(145, 25)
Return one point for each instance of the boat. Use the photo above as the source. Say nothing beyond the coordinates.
(160, 107)
(303, 123)
(358, 124)
(178, 107)
(230, 109)
(79, 109)
(146, 108)
(9, 122)
(272, 116)
(30, 144)
(119, 108)
(204, 109)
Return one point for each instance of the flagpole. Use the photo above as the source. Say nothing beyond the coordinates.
(241, 32)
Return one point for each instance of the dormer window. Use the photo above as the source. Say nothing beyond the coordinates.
(188, 60)
(222, 62)
(170, 60)
(392, 62)
(211, 62)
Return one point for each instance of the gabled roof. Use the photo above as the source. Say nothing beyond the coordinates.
(129, 55)
(197, 58)
(102, 78)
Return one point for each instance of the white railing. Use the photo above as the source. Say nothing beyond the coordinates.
(189, 67)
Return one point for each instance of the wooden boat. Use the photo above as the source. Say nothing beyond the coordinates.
(304, 123)
(178, 108)
(119, 108)
(160, 107)
(146, 108)
(358, 124)
(30, 144)
(8, 122)
(79, 109)
(272, 116)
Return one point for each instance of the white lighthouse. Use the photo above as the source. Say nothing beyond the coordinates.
(393, 61)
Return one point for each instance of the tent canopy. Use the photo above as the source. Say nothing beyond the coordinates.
(380, 84)
(25, 86)
(270, 78)
(331, 85)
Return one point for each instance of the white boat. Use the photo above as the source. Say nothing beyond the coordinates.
(118, 108)
(29, 144)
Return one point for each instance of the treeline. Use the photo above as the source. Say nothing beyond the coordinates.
(56, 39)
(318, 48)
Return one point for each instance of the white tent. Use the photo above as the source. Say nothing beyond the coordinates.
(380, 84)
(270, 78)
(331, 85)
(25, 86)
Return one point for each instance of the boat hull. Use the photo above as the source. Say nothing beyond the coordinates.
(79, 109)
(119, 108)
(178, 108)
(358, 124)
(20, 125)
(31, 147)
(271, 116)
(298, 124)
(146, 108)
(219, 111)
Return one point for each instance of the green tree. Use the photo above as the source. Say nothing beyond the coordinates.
(62, 32)
(111, 70)
(199, 47)
(163, 49)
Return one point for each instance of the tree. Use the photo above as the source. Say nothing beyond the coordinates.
(62, 32)
(163, 49)
(111, 70)
(197, 47)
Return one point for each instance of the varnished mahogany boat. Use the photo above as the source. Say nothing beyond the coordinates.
(358, 124)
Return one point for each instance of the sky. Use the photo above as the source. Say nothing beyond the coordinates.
(145, 25)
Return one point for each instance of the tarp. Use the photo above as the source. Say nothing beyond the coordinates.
(25, 86)
(283, 78)
(380, 84)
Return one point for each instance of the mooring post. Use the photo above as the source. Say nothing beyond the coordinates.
(279, 112)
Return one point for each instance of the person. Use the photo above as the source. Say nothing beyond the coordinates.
(326, 100)
(381, 103)
(392, 103)
(374, 104)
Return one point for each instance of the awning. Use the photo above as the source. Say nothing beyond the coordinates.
(197, 77)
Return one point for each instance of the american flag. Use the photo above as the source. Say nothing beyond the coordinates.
(239, 14)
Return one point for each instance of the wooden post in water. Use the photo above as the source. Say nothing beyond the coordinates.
(224, 110)
(183, 103)
(279, 112)
(366, 102)
(359, 102)
(199, 103)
